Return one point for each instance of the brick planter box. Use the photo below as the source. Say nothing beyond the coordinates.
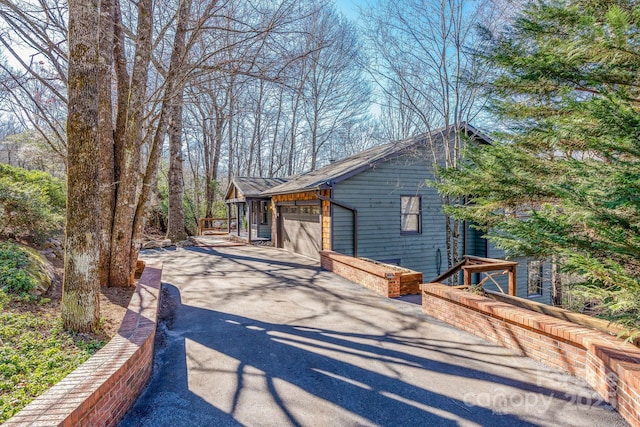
(610, 365)
(103, 388)
(386, 280)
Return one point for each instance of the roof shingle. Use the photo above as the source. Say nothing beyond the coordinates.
(342, 169)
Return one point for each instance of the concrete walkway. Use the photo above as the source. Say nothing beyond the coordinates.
(260, 337)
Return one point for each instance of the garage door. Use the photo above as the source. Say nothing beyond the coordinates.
(301, 230)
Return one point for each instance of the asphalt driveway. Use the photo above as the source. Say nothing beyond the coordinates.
(260, 337)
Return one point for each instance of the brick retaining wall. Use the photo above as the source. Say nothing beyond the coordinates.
(103, 388)
(381, 279)
(610, 365)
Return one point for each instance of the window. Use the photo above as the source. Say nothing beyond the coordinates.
(410, 214)
(534, 279)
(264, 212)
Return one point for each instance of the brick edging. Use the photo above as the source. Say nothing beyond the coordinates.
(610, 365)
(101, 390)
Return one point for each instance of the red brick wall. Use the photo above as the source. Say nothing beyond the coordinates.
(608, 364)
(103, 388)
(380, 279)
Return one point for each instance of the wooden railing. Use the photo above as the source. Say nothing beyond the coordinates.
(218, 225)
(472, 264)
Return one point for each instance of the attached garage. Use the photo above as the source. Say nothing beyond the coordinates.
(301, 229)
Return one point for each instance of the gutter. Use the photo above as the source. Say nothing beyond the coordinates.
(353, 210)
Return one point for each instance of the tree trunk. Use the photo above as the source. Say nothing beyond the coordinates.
(81, 286)
(232, 106)
(217, 149)
(292, 142)
(128, 161)
(212, 171)
(175, 224)
(274, 140)
(207, 145)
(105, 137)
(314, 136)
(556, 283)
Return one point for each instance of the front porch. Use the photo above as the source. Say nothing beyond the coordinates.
(227, 228)
(253, 219)
(251, 210)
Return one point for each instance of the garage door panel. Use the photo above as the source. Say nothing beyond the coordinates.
(301, 230)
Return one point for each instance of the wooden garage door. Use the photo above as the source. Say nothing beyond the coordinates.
(301, 230)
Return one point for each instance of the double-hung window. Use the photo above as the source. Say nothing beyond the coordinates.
(535, 273)
(410, 214)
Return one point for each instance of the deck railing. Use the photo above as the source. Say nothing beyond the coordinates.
(216, 225)
(489, 267)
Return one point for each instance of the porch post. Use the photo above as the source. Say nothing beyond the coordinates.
(467, 277)
(249, 202)
(228, 218)
(238, 222)
(512, 281)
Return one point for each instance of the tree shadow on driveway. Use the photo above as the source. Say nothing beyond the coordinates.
(215, 368)
(257, 336)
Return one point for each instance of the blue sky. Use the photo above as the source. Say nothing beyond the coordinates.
(349, 7)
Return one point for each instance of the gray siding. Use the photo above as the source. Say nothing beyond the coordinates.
(342, 227)
(376, 193)
(264, 230)
(476, 244)
(260, 231)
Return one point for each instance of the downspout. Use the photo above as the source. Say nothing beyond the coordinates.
(353, 210)
(465, 246)
(465, 237)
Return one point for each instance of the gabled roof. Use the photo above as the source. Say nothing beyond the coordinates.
(252, 187)
(340, 170)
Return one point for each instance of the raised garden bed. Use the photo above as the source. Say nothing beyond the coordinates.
(570, 316)
(388, 280)
(100, 391)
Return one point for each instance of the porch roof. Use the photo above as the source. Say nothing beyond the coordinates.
(249, 187)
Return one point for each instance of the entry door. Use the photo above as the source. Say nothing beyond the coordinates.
(301, 229)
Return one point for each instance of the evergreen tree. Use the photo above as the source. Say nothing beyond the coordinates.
(564, 179)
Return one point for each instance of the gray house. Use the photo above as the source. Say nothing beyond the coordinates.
(377, 205)
(252, 210)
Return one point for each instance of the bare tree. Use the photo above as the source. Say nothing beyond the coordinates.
(207, 109)
(428, 75)
(34, 36)
(130, 119)
(335, 91)
(81, 285)
(175, 224)
(106, 135)
(231, 47)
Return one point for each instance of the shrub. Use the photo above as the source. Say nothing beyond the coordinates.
(52, 188)
(32, 203)
(616, 304)
(14, 269)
